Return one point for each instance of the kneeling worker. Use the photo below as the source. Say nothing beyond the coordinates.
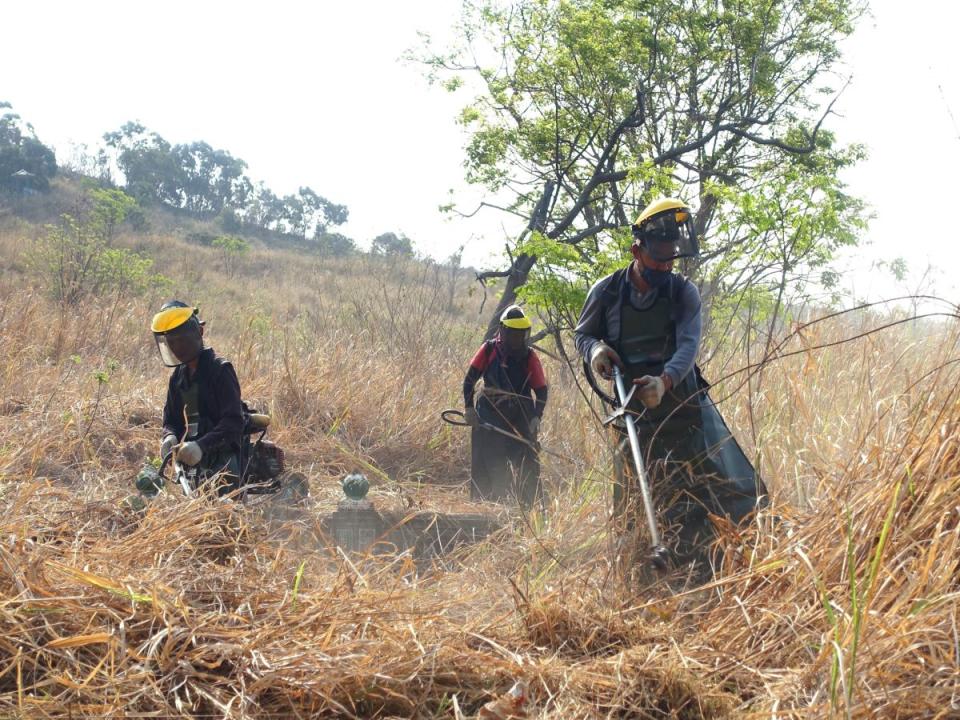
(203, 417)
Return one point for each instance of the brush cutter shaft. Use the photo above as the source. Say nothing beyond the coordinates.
(637, 460)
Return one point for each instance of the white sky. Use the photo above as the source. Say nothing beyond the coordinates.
(316, 94)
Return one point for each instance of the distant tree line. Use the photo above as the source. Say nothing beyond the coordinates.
(194, 178)
(210, 183)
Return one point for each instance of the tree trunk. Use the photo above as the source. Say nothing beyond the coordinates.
(517, 277)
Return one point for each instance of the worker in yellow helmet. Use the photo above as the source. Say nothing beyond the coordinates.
(203, 417)
(646, 320)
(506, 418)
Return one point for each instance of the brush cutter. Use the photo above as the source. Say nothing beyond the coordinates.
(264, 467)
(659, 555)
(183, 475)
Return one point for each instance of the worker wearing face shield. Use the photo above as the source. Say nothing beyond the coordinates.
(645, 319)
(512, 400)
(203, 416)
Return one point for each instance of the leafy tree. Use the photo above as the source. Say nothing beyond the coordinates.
(265, 209)
(22, 152)
(589, 109)
(308, 214)
(230, 220)
(150, 169)
(335, 245)
(91, 163)
(77, 257)
(390, 244)
(208, 183)
(211, 179)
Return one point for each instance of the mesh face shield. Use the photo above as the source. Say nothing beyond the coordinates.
(515, 339)
(668, 236)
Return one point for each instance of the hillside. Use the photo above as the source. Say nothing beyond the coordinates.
(844, 605)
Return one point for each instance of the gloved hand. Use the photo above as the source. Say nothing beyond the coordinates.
(471, 417)
(603, 358)
(166, 445)
(650, 390)
(189, 453)
(534, 427)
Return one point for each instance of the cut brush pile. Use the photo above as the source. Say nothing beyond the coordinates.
(842, 601)
(196, 609)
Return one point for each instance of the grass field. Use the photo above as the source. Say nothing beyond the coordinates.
(848, 607)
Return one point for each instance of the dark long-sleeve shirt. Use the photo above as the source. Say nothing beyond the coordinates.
(220, 403)
(595, 325)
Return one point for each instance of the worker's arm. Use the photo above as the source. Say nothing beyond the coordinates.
(229, 428)
(477, 367)
(173, 422)
(689, 330)
(592, 326)
(538, 383)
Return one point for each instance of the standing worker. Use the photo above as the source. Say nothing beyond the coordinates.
(512, 400)
(646, 320)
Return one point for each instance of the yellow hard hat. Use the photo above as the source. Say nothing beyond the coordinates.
(175, 320)
(171, 316)
(665, 229)
(661, 206)
(514, 317)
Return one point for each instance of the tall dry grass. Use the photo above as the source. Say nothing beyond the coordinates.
(846, 607)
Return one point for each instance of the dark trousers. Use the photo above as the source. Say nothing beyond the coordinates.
(503, 469)
(684, 482)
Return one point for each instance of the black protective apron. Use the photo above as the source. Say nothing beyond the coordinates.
(216, 460)
(502, 468)
(693, 463)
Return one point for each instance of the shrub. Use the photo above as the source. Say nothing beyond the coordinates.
(232, 249)
(76, 258)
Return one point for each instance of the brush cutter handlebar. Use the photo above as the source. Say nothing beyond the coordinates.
(454, 417)
(183, 476)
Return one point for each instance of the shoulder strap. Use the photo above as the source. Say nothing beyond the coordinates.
(217, 365)
(611, 293)
(677, 284)
(491, 347)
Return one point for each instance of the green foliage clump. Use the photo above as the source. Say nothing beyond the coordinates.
(232, 250)
(26, 164)
(389, 244)
(77, 258)
(335, 245)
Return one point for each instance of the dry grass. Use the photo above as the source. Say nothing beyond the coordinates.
(845, 607)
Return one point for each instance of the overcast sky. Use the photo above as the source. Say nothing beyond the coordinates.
(316, 94)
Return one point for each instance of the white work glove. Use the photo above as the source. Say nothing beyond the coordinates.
(534, 426)
(189, 454)
(166, 445)
(603, 358)
(650, 390)
(471, 417)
